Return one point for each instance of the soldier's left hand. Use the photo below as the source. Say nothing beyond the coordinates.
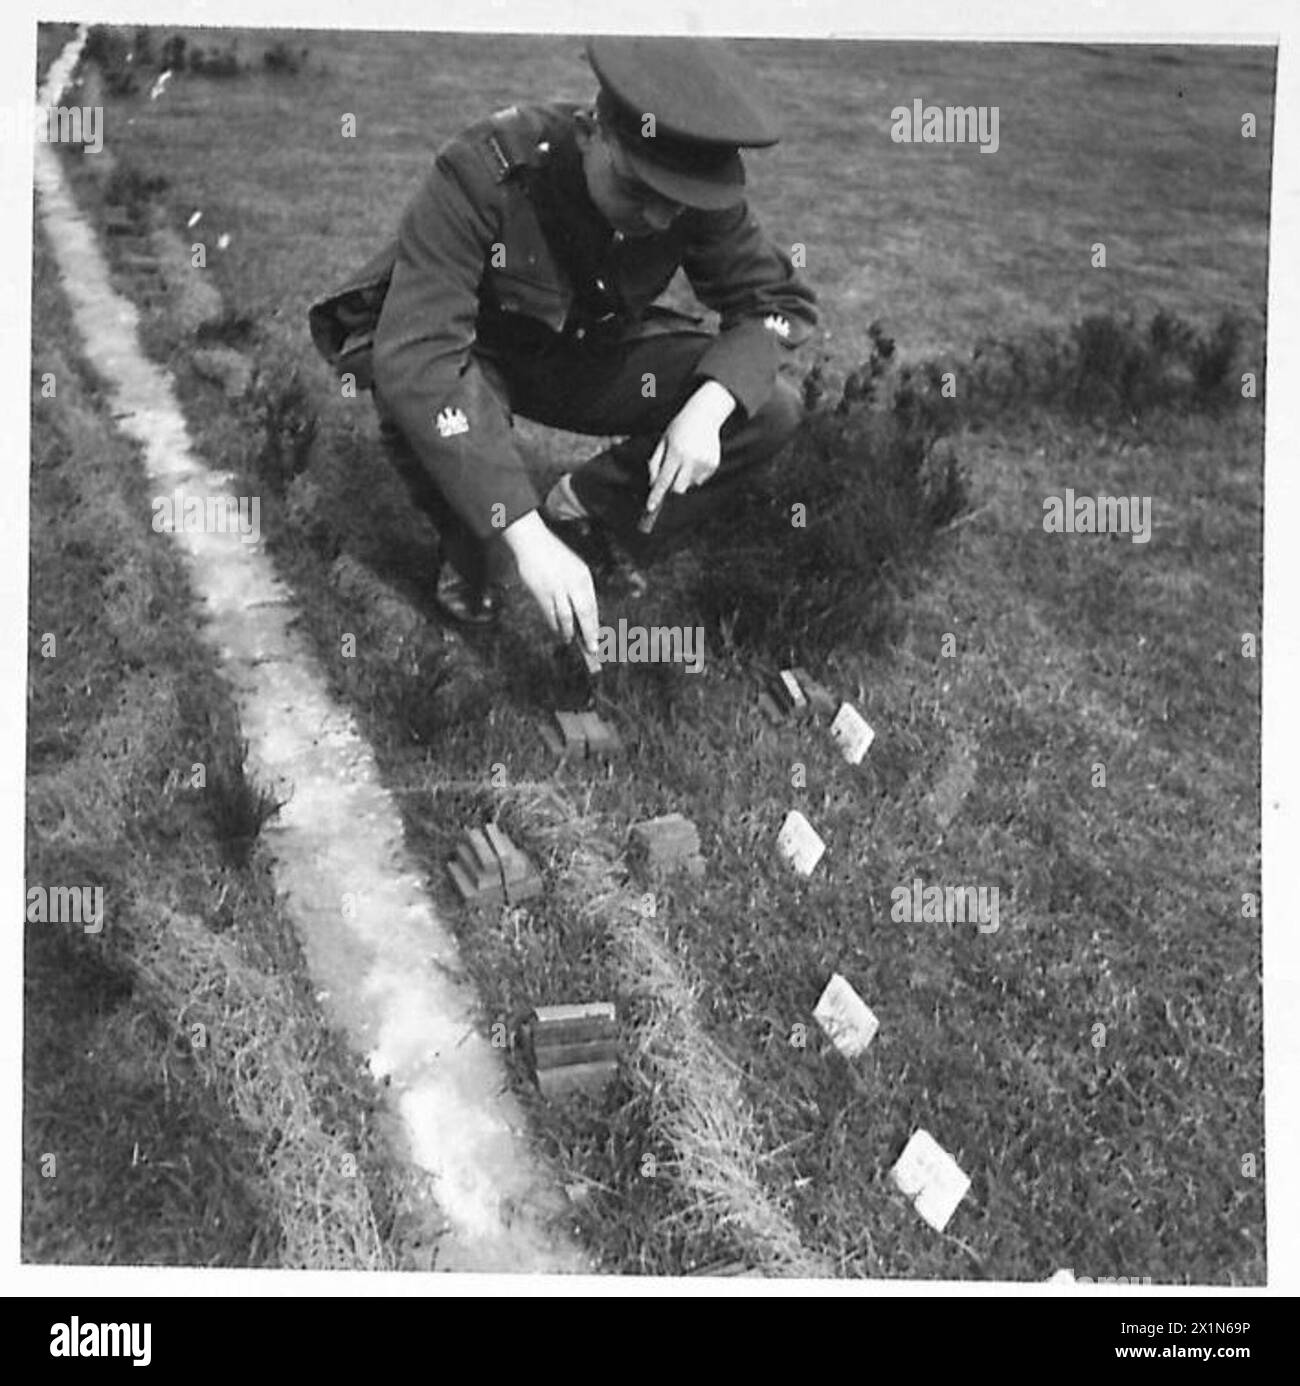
(690, 450)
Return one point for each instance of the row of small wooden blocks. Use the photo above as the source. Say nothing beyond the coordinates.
(795, 693)
(488, 869)
(581, 736)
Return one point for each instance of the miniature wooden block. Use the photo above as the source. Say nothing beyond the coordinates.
(670, 848)
(517, 873)
(592, 1078)
(565, 736)
(666, 839)
(482, 878)
(572, 730)
(852, 733)
(561, 1034)
(821, 701)
(799, 843)
(465, 887)
(526, 888)
(602, 739)
(603, 1049)
(567, 1024)
(665, 855)
(470, 891)
(847, 1020)
(788, 694)
(477, 841)
(931, 1178)
(515, 866)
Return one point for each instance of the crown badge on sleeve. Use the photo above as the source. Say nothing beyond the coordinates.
(774, 322)
(451, 422)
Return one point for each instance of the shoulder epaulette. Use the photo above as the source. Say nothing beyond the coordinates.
(511, 140)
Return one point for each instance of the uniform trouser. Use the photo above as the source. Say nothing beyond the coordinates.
(601, 390)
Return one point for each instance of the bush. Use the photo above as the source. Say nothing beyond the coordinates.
(109, 49)
(1211, 358)
(873, 478)
(142, 44)
(106, 47)
(877, 474)
(281, 59)
(219, 62)
(1105, 368)
(173, 54)
(133, 189)
(284, 416)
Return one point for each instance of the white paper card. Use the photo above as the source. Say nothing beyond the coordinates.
(931, 1178)
(799, 843)
(852, 733)
(849, 1023)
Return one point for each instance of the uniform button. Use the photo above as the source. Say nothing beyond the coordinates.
(580, 334)
(600, 285)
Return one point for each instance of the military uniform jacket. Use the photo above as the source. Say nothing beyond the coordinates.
(501, 249)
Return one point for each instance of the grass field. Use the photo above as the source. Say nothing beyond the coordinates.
(1119, 1150)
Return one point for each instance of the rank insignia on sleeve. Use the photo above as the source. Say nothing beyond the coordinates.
(774, 322)
(451, 422)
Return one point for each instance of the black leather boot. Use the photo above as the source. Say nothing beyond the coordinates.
(473, 605)
(612, 569)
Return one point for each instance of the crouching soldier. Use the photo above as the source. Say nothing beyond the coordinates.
(522, 281)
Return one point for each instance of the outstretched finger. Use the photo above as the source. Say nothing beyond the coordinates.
(668, 474)
(588, 618)
(656, 460)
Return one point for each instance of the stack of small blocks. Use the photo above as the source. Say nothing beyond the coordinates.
(488, 869)
(795, 693)
(670, 843)
(574, 1048)
(581, 736)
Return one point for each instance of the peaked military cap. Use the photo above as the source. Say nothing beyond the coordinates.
(700, 95)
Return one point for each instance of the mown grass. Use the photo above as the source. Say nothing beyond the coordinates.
(184, 1104)
(1121, 905)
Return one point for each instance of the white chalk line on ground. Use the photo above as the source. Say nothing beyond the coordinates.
(375, 946)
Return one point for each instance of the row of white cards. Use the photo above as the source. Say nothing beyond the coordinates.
(925, 1173)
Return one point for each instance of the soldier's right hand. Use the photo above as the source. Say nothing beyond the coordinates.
(559, 581)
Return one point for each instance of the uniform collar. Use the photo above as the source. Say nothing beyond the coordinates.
(577, 213)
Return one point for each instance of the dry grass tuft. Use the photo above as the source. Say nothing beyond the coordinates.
(692, 1089)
